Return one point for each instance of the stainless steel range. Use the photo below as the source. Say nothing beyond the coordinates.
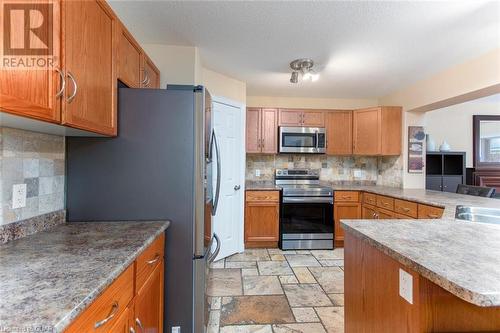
(306, 218)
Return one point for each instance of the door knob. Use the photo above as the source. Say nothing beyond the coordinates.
(237, 187)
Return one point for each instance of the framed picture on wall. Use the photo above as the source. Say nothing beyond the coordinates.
(416, 137)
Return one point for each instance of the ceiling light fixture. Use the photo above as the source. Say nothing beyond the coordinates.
(305, 68)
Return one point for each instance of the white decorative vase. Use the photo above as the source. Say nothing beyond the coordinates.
(445, 146)
(429, 143)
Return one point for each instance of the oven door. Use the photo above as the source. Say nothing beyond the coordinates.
(302, 140)
(306, 223)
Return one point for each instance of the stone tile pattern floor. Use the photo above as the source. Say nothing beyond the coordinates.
(274, 291)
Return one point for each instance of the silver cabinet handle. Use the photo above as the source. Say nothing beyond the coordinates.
(143, 82)
(63, 82)
(148, 81)
(70, 98)
(131, 330)
(237, 187)
(138, 322)
(152, 261)
(114, 310)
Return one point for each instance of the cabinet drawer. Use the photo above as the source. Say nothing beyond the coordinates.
(148, 260)
(429, 212)
(369, 198)
(346, 196)
(271, 196)
(385, 202)
(110, 304)
(407, 208)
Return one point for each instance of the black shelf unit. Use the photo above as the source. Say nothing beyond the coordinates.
(444, 170)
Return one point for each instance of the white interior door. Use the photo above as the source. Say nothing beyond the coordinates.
(228, 222)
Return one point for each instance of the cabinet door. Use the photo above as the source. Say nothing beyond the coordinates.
(150, 74)
(368, 213)
(89, 42)
(129, 59)
(339, 133)
(123, 323)
(289, 117)
(344, 210)
(148, 314)
(28, 92)
(366, 131)
(385, 214)
(433, 183)
(450, 183)
(261, 222)
(253, 131)
(313, 118)
(269, 131)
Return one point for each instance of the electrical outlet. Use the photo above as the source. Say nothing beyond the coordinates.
(18, 196)
(257, 173)
(176, 329)
(406, 286)
(358, 173)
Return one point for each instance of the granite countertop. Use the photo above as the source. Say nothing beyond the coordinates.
(49, 278)
(461, 257)
(261, 185)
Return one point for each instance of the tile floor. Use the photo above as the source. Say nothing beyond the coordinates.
(269, 290)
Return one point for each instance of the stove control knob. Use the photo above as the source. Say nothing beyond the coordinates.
(279, 172)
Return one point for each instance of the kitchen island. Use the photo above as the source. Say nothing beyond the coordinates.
(449, 271)
(50, 278)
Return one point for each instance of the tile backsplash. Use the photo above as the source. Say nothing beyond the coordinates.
(36, 160)
(387, 171)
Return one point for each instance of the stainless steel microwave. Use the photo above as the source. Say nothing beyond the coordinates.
(302, 140)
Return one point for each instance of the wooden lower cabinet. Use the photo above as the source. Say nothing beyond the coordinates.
(261, 219)
(373, 303)
(148, 306)
(368, 212)
(344, 210)
(121, 308)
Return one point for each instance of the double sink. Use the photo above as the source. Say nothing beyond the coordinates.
(478, 214)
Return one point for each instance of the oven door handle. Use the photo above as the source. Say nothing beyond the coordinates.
(327, 200)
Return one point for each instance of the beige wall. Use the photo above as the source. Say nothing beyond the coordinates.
(454, 124)
(224, 86)
(176, 63)
(309, 103)
(474, 75)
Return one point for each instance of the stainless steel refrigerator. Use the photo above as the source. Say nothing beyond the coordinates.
(158, 167)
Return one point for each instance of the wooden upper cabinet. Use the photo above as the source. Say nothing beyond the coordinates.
(262, 131)
(128, 59)
(89, 40)
(313, 118)
(34, 92)
(253, 130)
(150, 75)
(300, 117)
(269, 136)
(338, 132)
(288, 117)
(377, 131)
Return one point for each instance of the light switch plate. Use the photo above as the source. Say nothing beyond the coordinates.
(358, 173)
(257, 173)
(176, 329)
(18, 196)
(406, 286)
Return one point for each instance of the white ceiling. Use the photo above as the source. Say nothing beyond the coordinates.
(364, 49)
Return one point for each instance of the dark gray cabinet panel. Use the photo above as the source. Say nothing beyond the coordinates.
(450, 183)
(433, 183)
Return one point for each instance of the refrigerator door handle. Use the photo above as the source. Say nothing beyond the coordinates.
(214, 255)
(217, 189)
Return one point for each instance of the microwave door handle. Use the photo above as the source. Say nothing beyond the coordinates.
(317, 140)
